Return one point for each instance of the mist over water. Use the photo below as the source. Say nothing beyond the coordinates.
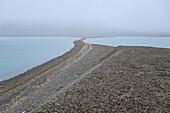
(18, 54)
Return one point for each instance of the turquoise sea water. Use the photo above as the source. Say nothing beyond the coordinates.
(18, 54)
(162, 42)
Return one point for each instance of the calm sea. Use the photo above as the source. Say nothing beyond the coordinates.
(162, 42)
(18, 54)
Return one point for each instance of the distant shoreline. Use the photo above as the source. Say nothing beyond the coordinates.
(99, 36)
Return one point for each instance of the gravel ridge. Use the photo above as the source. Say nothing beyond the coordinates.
(98, 79)
(38, 90)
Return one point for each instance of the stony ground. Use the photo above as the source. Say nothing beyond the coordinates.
(134, 79)
(95, 79)
(38, 90)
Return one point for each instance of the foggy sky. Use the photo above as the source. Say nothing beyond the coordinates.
(83, 17)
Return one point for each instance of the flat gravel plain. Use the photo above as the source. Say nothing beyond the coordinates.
(131, 80)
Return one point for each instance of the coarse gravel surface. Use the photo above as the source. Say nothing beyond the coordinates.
(94, 78)
(132, 80)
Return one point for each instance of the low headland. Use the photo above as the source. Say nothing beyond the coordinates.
(93, 78)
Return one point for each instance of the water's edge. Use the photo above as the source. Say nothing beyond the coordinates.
(29, 71)
(19, 54)
(43, 65)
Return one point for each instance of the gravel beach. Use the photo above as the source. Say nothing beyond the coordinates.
(93, 78)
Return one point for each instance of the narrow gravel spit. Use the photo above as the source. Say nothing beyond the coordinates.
(95, 78)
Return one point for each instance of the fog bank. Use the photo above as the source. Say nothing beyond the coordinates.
(84, 17)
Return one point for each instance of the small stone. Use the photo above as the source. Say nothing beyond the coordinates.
(159, 89)
(127, 100)
(122, 110)
(140, 74)
(162, 87)
(164, 108)
(119, 97)
(114, 100)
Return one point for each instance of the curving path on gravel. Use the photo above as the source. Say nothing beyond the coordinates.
(28, 91)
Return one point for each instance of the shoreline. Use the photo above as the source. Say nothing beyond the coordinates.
(15, 79)
(34, 52)
(91, 74)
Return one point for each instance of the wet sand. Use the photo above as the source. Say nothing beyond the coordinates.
(94, 78)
